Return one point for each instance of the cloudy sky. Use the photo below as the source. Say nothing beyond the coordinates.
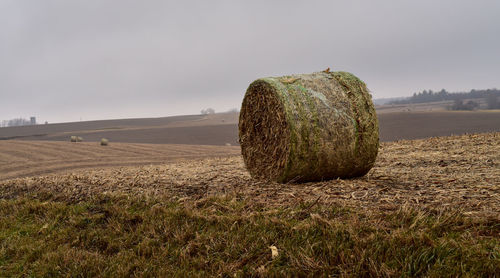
(68, 60)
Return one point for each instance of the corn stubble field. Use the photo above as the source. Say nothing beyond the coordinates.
(428, 208)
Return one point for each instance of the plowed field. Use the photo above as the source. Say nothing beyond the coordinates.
(29, 158)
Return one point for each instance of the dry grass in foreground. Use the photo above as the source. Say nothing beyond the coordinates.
(428, 208)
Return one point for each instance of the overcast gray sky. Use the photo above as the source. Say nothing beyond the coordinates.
(96, 59)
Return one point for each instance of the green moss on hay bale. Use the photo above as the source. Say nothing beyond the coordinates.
(308, 127)
(104, 142)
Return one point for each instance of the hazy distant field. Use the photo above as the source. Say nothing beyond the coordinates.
(416, 125)
(218, 129)
(222, 129)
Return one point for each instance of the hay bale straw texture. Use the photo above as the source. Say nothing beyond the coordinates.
(104, 142)
(308, 127)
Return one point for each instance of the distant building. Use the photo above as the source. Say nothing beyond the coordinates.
(33, 120)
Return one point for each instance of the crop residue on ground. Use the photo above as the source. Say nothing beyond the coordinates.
(454, 172)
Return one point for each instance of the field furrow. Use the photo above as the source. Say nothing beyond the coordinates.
(30, 158)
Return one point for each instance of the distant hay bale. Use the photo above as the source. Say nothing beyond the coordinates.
(73, 139)
(79, 139)
(228, 144)
(104, 142)
(308, 127)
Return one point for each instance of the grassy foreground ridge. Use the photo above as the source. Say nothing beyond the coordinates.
(127, 236)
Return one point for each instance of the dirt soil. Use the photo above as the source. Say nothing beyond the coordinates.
(459, 172)
(418, 125)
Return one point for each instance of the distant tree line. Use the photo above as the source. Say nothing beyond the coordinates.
(18, 122)
(493, 101)
(491, 96)
(459, 104)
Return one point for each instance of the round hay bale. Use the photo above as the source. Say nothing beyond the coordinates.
(79, 139)
(104, 142)
(308, 127)
(73, 139)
